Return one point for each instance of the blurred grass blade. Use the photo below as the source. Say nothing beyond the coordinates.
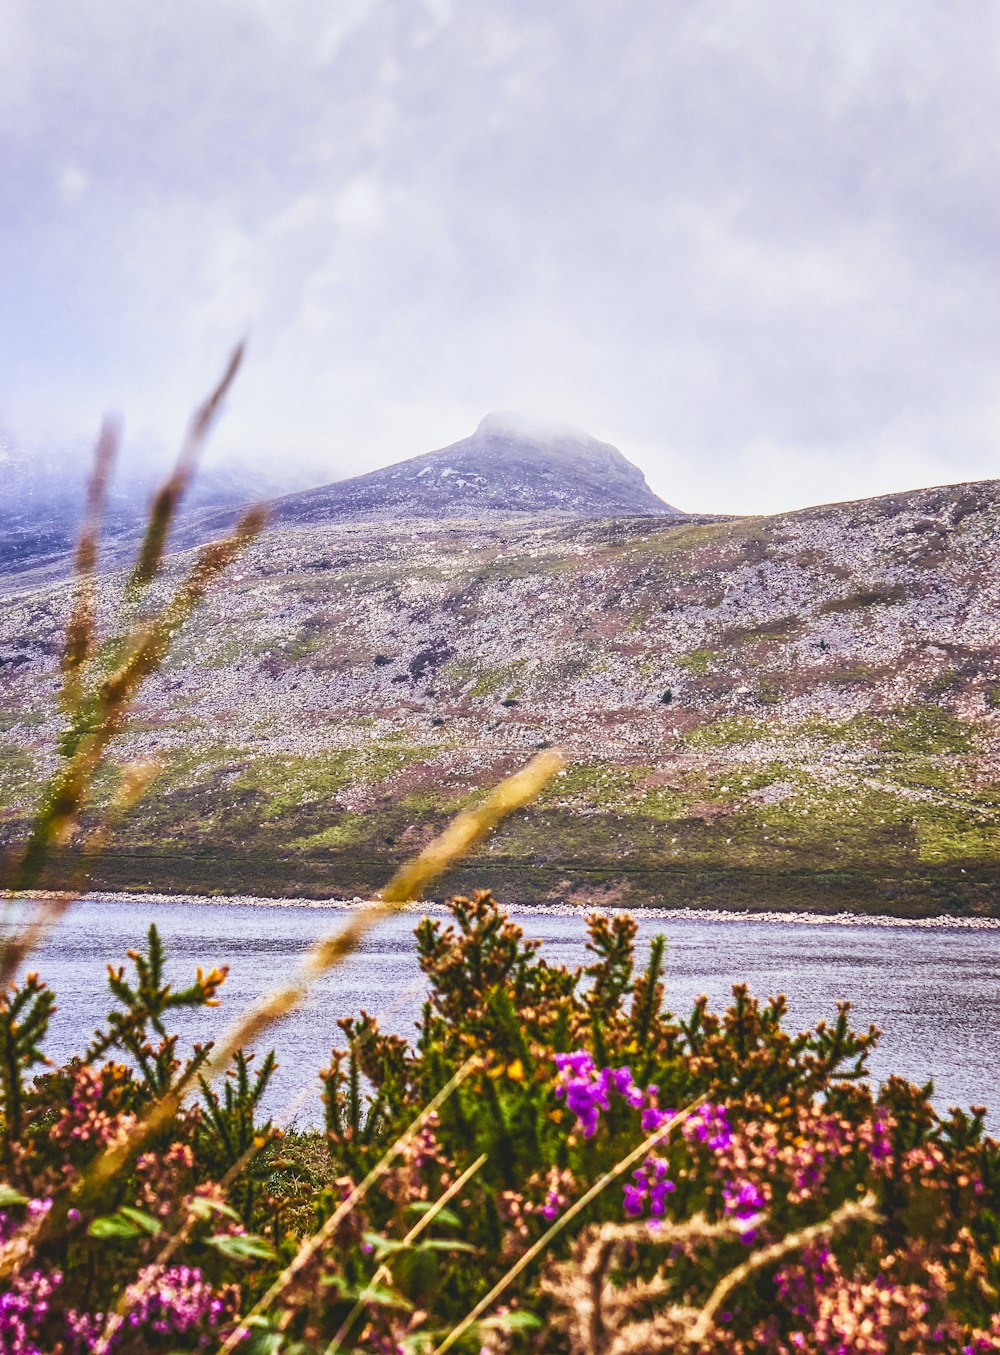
(101, 718)
(79, 643)
(468, 828)
(169, 495)
(136, 779)
(471, 826)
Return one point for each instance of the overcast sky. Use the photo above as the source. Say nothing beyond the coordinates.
(754, 244)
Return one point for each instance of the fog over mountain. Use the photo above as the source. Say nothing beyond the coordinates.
(512, 464)
(42, 494)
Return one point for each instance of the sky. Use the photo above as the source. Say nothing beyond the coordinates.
(753, 243)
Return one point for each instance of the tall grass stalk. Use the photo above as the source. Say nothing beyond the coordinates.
(80, 627)
(136, 778)
(101, 683)
(468, 828)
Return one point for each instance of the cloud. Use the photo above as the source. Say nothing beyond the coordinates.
(752, 242)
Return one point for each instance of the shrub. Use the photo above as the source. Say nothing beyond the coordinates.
(827, 1208)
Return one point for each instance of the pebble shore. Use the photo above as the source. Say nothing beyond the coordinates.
(437, 909)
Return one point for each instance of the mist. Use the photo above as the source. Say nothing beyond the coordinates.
(753, 245)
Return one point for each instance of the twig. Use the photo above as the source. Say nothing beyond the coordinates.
(849, 1212)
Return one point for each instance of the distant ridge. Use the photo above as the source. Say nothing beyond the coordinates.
(506, 466)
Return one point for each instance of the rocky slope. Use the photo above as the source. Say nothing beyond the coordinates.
(797, 710)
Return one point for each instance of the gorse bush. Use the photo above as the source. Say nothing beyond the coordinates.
(792, 1208)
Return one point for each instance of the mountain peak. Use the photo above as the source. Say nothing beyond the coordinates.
(511, 464)
(521, 427)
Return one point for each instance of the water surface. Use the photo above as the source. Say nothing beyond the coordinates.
(932, 991)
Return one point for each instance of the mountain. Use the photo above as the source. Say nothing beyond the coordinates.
(42, 494)
(799, 710)
(506, 467)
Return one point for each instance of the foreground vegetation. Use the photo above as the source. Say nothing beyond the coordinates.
(787, 1207)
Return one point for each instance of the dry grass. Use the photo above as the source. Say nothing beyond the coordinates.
(601, 1317)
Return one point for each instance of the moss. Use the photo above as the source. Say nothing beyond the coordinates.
(698, 661)
(694, 536)
(493, 681)
(784, 628)
(949, 832)
(18, 777)
(311, 636)
(21, 719)
(923, 729)
(730, 729)
(849, 675)
(288, 783)
(686, 536)
(348, 829)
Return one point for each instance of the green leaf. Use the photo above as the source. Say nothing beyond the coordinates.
(443, 1215)
(8, 1195)
(377, 1294)
(265, 1338)
(390, 1246)
(243, 1246)
(141, 1220)
(115, 1226)
(510, 1322)
(384, 1246)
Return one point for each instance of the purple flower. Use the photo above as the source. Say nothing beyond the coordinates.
(709, 1125)
(649, 1192)
(742, 1199)
(587, 1090)
(881, 1141)
(23, 1309)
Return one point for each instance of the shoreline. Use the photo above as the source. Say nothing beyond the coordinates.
(436, 908)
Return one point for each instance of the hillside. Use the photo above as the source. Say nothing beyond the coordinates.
(797, 710)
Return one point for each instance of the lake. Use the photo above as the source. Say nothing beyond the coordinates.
(932, 990)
